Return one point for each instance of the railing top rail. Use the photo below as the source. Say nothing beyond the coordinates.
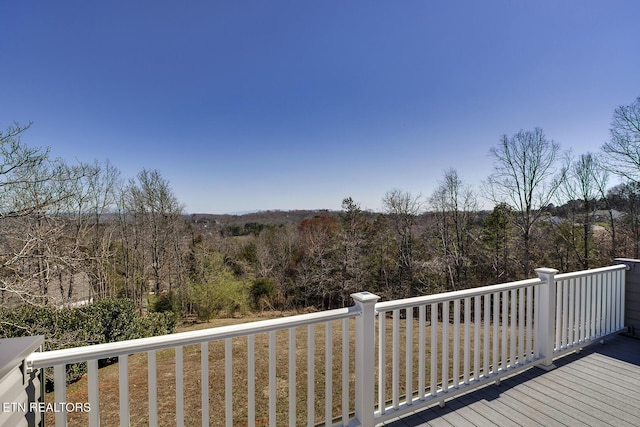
(455, 295)
(113, 349)
(582, 273)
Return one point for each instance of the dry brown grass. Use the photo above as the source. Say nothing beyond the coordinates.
(165, 360)
(108, 378)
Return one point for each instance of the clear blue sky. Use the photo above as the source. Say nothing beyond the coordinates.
(256, 105)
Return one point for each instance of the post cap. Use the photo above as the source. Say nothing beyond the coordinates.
(545, 270)
(365, 297)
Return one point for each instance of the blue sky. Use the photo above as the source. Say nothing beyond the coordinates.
(256, 105)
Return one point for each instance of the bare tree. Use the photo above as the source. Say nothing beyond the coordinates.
(103, 187)
(497, 230)
(523, 177)
(352, 249)
(152, 214)
(402, 208)
(601, 181)
(275, 248)
(18, 166)
(41, 251)
(316, 270)
(88, 236)
(381, 262)
(626, 197)
(74, 216)
(454, 204)
(583, 179)
(34, 192)
(622, 151)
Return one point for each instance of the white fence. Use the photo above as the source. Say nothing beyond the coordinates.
(355, 366)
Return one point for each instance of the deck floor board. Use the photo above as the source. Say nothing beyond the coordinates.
(600, 386)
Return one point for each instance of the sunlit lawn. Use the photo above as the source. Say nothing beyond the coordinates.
(108, 377)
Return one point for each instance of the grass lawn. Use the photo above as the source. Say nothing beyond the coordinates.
(165, 359)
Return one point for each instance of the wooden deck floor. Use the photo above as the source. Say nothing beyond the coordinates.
(600, 386)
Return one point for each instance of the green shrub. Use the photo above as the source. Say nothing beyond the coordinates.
(107, 320)
(166, 302)
(226, 295)
(154, 324)
(262, 289)
(218, 290)
(118, 316)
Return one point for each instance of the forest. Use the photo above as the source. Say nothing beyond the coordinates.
(72, 235)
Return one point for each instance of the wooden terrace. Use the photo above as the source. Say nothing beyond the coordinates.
(599, 386)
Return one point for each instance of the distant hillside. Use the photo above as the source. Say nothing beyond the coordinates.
(254, 221)
(263, 217)
(251, 222)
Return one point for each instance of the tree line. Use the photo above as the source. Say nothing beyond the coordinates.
(72, 233)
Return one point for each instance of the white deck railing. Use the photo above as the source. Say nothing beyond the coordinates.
(491, 332)
(380, 360)
(589, 305)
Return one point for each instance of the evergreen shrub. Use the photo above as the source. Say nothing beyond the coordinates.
(106, 320)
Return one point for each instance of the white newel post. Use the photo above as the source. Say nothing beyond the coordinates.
(545, 331)
(365, 357)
